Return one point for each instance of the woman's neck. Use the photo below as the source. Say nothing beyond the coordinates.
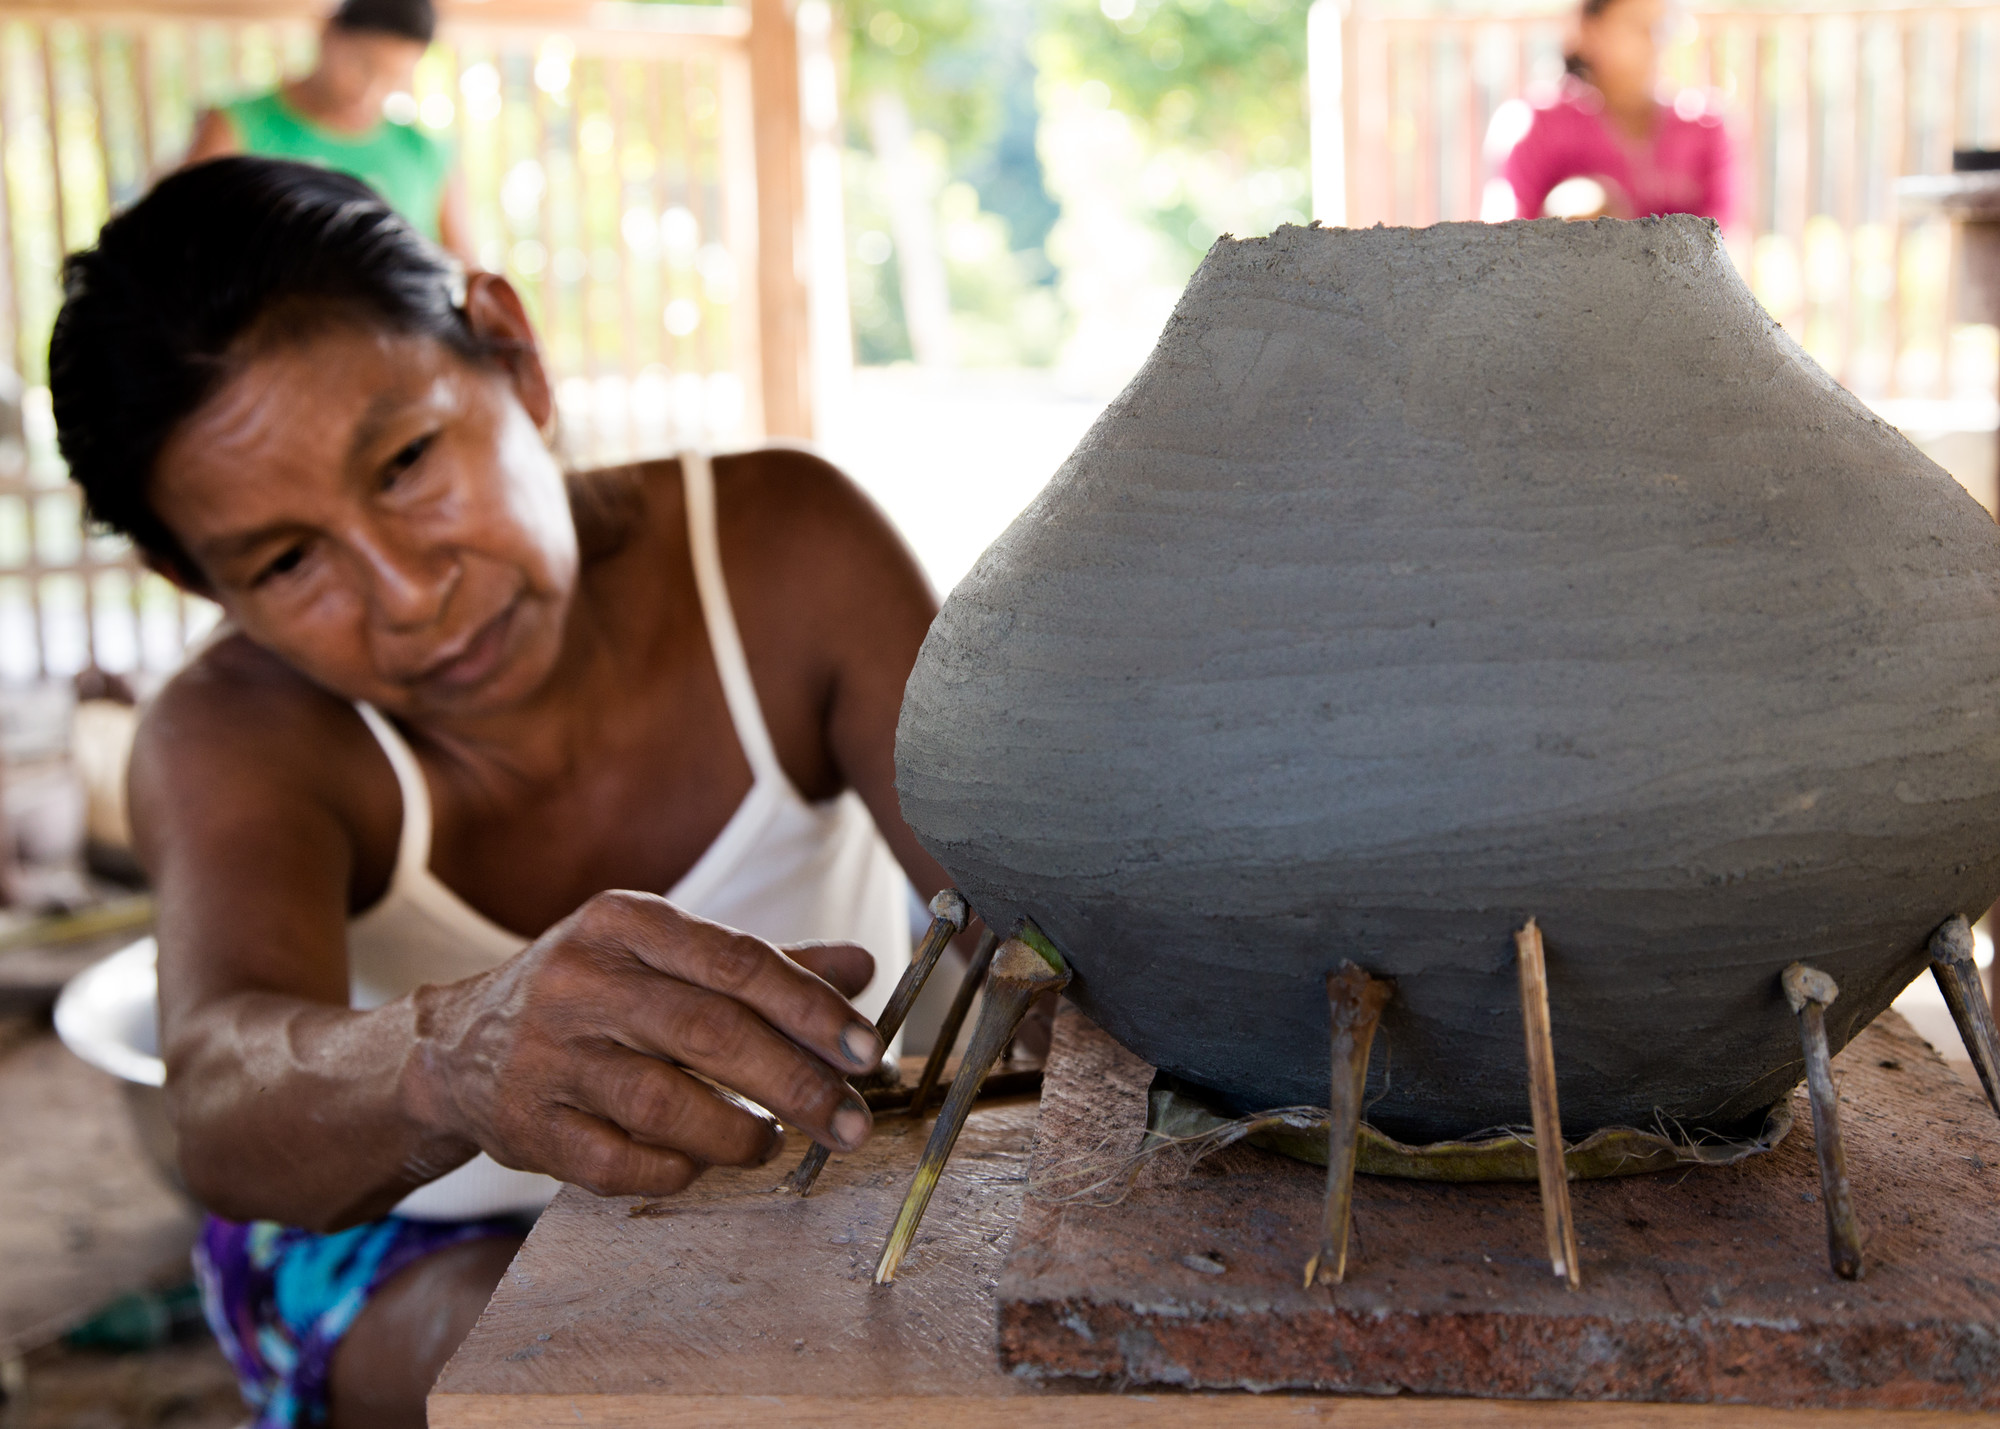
(316, 99)
(542, 738)
(1633, 115)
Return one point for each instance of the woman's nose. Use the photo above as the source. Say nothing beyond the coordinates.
(410, 583)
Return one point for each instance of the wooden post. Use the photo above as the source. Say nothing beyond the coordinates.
(781, 292)
(1326, 71)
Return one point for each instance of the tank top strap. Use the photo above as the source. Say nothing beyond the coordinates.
(724, 641)
(413, 847)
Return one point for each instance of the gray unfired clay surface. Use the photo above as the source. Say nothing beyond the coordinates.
(1426, 580)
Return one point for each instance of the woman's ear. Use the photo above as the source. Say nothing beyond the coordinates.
(176, 574)
(494, 312)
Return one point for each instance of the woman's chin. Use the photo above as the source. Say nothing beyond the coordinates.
(520, 663)
(522, 671)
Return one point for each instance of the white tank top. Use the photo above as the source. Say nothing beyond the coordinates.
(784, 869)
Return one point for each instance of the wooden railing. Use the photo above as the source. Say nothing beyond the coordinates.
(1827, 109)
(635, 169)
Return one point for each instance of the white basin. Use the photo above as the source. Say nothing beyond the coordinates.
(109, 1015)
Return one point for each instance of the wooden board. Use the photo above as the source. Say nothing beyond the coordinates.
(732, 1306)
(733, 1291)
(1707, 1286)
(83, 1215)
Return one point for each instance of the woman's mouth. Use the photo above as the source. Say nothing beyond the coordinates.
(475, 659)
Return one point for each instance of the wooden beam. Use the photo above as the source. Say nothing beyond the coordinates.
(781, 290)
(920, 1410)
(609, 17)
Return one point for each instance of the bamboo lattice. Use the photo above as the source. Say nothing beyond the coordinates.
(610, 162)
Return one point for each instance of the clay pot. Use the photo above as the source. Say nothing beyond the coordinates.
(1425, 580)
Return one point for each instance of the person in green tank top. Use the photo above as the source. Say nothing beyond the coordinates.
(333, 117)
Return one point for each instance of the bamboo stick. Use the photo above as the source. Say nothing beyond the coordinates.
(1354, 1003)
(1558, 1225)
(948, 915)
(1810, 992)
(1958, 979)
(954, 1018)
(1022, 972)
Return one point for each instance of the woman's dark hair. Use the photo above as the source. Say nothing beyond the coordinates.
(1572, 61)
(412, 19)
(153, 315)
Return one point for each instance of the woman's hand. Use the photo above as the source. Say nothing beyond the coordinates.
(568, 1059)
(849, 967)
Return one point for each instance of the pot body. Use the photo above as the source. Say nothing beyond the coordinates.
(1427, 580)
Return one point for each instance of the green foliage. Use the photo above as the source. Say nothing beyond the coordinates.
(934, 54)
(1217, 92)
(1006, 167)
(1004, 307)
(874, 278)
(1220, 74)
(1005, 312)
(964, 71)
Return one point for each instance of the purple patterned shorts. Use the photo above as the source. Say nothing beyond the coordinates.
(279, 1298)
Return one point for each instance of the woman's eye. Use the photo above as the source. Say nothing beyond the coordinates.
(287, 562)
(403, 460)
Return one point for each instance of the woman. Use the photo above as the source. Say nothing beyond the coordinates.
(332, 116)
(461, 700)
(1607, 128)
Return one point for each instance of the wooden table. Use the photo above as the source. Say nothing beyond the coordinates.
(730, 1305)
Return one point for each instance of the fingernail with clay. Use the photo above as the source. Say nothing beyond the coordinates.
(861, 1044)
(850, 1124)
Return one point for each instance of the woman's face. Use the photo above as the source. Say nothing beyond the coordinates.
(1620, 44)
(364, 67)
(382, 514)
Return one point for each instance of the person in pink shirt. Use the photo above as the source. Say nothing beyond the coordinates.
(1607, 126)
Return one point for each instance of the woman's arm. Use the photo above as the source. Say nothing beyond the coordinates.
(455, 223)
(214, 136)
(822, 581)
(252, 812)
(831, 601)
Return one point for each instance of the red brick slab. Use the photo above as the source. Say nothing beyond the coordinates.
(1708, 1286)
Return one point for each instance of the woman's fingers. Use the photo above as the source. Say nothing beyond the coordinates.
(726, 1040)
(847, 966)
(594, 1154)
(661, 1106)
(740, 969)
(560, 1058)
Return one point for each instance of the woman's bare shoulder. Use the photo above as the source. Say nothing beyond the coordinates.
(823, 585)
(235, 688)
(784, 494)
(803, 519)
(238, 722)
(214, 136)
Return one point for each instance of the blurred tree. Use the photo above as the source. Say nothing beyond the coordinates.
(1005, 165)
(941, 95)
(1219, 73)
(930, 54)
(1218, 90)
